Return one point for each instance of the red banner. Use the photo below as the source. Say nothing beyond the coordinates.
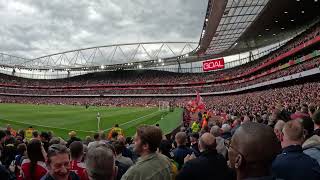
(213, 64)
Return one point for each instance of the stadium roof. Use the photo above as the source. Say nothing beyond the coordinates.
(229, 27)
(235, 26)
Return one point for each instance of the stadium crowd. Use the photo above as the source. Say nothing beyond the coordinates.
(213, 87)
(244, 143)
(270, 134)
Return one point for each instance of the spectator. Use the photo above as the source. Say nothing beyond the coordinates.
(126, 152)
(226, 131)
(35, 135)
(292, 163)
(96, 138)
(221, 148)
(73, 137)
(209, 165)
(34, 168)
(44, 136)
(119, 147)
(248, 154)
(4, 173)
(150, 165)
(311, 146)
(182, 150)
(100, 163)
(12, 131)
(76, 151)
(316, 120)
(235, 125)
(278, 129)
(21, 154)
(54, 140)
(194, 138)
(59, 164)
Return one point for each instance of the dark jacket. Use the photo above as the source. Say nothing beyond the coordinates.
(226, 135)
(180, 153)
(208, 166)
(71, 140)
(293, 164)
(195, 149)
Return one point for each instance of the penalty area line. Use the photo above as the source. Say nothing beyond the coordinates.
(128, 122)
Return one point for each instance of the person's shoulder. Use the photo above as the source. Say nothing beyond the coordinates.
(133, 171)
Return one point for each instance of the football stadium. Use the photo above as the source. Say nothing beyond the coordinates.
(132, 90)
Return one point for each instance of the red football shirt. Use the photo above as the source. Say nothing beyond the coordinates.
(40, 170)
(79, 168)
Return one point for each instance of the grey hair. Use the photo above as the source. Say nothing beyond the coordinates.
(215, 131)
(100, 163)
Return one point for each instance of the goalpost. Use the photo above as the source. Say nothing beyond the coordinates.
(164, 105)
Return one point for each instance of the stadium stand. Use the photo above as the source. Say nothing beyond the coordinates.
(261, 120)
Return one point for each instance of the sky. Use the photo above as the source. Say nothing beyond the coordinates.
(33, 28)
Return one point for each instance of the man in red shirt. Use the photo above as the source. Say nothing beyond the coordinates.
(76, 150)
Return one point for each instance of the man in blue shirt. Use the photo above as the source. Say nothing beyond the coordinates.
(292, 163)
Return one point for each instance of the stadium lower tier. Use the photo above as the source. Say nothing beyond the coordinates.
(291, 67)
(302, 91)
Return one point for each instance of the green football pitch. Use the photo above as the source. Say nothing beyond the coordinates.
(61, 119)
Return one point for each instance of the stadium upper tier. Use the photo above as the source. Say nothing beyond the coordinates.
(297, 55)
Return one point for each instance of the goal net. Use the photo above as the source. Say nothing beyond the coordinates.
(164, 106)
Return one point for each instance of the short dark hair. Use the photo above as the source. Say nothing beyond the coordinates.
(195, 135)
(21, 148)
(76, 149)
(45, 135)
(96, 136)
(56, 149)
(35, 134)
(8, 133)
(118, 146)
(114, 134)
(316, 117)
(2, 134)
(150, 135)
(308, 125)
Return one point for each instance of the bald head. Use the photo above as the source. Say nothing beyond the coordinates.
(181, 138)
(252, 140)
(293, 131)
(207, 142)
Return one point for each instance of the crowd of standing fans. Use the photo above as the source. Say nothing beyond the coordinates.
(272, 134)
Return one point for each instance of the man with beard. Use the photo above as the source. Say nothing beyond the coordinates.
(58, 163)
(150, 165)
